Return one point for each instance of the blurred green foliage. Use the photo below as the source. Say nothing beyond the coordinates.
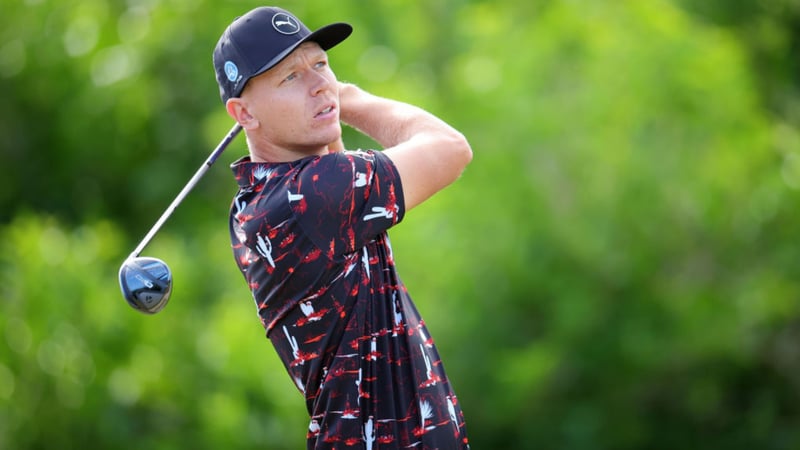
(617, 269)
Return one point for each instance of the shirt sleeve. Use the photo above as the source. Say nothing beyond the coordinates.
(345, 199)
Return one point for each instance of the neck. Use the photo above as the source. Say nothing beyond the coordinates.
(261, 151)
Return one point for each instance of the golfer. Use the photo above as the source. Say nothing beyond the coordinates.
(308, 229)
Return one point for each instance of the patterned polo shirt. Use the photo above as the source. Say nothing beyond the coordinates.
(310, 239)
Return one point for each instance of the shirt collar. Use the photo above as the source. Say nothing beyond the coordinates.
(249, 173)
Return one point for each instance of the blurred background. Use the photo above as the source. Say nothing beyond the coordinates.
(618, 268)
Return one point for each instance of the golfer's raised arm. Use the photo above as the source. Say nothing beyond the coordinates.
(428, 153)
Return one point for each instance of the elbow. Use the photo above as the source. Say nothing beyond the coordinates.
(458, 150)
(460, 155)
(461, 149)
(467, 151)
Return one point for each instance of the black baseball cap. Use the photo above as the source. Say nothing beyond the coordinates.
(260, 39)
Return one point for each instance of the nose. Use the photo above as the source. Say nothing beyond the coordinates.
(319, 82)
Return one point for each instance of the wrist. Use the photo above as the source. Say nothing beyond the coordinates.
(347, 94)
(346, 91)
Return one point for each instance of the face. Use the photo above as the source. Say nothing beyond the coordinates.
(294, 105)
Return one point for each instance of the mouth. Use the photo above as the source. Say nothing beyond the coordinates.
(328, 110)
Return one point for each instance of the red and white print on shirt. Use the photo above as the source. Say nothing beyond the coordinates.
(310, 239)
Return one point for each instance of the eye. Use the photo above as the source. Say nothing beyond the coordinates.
(291, 76)
(321, 64)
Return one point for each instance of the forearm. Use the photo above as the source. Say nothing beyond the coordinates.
(388, 122)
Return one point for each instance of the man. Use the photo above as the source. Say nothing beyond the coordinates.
(308, 230)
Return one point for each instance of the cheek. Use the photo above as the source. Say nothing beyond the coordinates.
(276, 110)
(282, 117)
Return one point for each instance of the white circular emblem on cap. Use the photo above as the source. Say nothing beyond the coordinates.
(285, 24)
(231, 71)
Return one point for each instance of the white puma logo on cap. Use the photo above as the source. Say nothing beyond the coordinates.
(285, 24)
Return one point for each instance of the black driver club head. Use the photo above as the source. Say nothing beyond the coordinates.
(146, 283)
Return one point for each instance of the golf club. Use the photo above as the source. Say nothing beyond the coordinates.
(146, 282)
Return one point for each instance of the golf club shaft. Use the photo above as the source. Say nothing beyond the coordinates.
(186, 189)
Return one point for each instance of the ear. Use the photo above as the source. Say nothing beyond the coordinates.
(237, 109)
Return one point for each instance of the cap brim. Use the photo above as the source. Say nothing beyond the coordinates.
(327, 37)
(330, 35)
